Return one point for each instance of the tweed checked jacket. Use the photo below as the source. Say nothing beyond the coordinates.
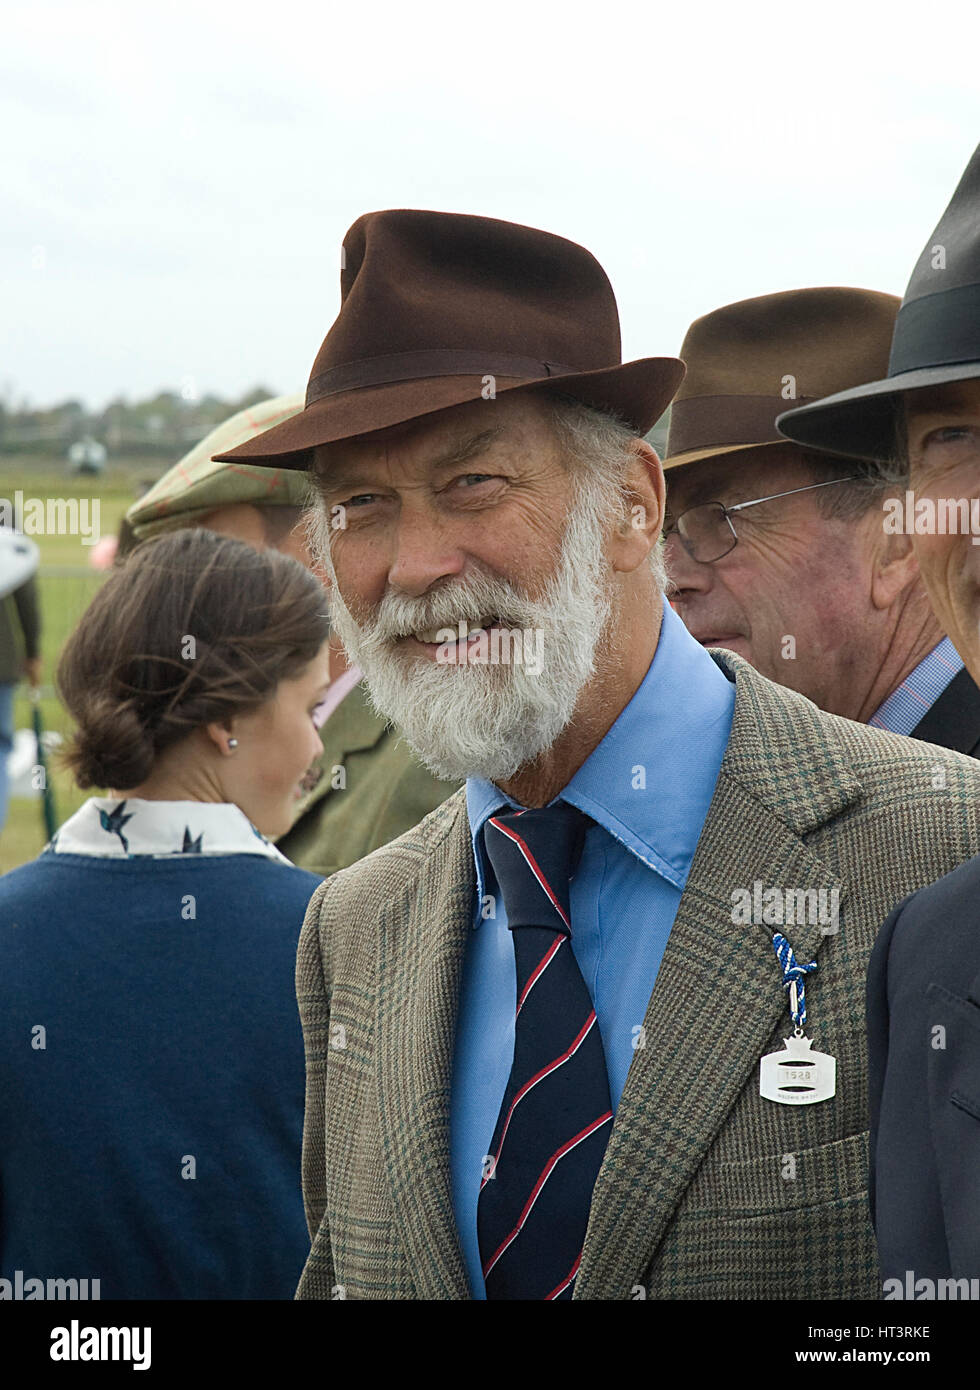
(706, 1189)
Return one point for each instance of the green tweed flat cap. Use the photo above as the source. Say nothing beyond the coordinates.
(197, 484)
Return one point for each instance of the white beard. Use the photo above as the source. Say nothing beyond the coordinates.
(488, 720)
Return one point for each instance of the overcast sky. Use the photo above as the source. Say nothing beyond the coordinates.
(177, 180)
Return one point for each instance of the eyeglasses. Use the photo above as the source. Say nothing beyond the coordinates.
(707, 532)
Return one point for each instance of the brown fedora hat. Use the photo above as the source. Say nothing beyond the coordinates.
(434, 305)
(748, 362)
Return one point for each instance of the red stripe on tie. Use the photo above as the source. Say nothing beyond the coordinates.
(538, 970)
(534, 867)
(552, 1066)
(566, 1281)
(542, 1179)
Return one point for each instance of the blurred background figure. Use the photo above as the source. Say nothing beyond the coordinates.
(366, 787)
(780, 553)
(151, 1058)
(20, 639)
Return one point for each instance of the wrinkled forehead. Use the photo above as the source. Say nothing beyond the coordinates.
(440, 440)
(956, 397)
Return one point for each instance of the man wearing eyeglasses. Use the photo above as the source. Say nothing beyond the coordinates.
(781, 554)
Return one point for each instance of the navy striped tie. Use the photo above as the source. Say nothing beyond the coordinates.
(556, 1115)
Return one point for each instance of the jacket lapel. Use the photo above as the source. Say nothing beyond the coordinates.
(422, 939)
(718, 995)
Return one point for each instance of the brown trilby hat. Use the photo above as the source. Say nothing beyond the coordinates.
(433, 304)
(747, 361)
(937, 339)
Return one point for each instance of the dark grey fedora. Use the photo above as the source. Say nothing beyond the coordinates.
(936, 339)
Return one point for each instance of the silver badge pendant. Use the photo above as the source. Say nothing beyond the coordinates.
(797, 1075)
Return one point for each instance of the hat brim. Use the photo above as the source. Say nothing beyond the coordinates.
(860, 423)
(713, 451)
(638, 391)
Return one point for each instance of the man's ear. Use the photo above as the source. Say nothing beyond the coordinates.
(645, 494)
(894, 567)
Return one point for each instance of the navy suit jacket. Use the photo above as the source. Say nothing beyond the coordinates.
(924, 1082)
(953, 721)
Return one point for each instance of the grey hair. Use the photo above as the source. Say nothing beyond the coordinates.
(599, 446)
(852, 500)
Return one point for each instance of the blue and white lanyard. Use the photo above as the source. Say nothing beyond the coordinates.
(793, 980)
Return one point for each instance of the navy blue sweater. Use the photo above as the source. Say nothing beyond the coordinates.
(153, 1141)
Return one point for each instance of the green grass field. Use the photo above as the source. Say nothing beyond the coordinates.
(66, 584)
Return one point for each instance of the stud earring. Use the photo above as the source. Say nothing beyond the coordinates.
(233, 743)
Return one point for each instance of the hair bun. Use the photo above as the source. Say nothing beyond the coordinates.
(111, 747)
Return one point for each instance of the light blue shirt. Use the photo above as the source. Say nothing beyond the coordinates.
(647, 786)
(920, 690)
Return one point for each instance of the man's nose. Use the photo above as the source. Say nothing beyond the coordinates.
(685, 574)
(426, 551)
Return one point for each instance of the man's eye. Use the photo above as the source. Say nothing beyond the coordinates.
(363, 499)
(471, 479)
(949, 446)
(953, 434)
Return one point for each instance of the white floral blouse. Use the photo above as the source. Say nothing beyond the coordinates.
(114, 829)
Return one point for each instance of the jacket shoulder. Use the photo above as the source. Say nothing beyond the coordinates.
(870, 749)
(778, 731)
(397, 865)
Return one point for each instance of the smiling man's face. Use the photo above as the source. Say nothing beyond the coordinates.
(473, 490)
(943, 431)
(472, 517)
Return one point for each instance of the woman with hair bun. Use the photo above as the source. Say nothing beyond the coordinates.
(151, 1056)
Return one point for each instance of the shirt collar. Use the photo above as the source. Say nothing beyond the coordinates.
(920, 690)
(650, 781)
(109, 828)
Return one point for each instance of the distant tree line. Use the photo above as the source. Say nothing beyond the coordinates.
(163, 426)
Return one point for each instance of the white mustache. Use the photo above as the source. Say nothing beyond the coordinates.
(398, 615)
